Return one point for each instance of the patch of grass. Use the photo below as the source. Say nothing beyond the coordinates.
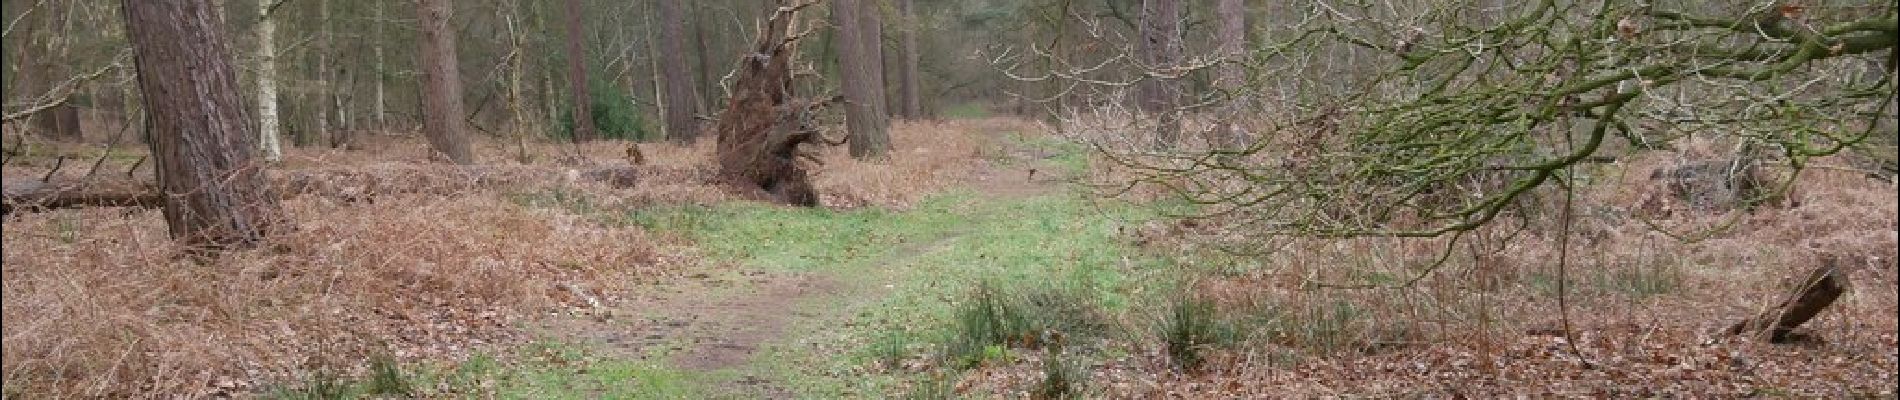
(1641, 281)
(891, 349)
(542, 370)
(1190, 328)
(967, 111)
(1633, 281)
(1062, 378)
(1031, 316)
(322, 385)
(387, 378)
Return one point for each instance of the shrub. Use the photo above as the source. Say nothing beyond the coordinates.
(616, 116)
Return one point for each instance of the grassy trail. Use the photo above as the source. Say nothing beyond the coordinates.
(815, 303)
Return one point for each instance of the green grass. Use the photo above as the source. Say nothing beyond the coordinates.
(1057, 258)
(1061, 256)
(967, 111)
(543, 370)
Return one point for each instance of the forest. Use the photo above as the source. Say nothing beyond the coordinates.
(937, 199)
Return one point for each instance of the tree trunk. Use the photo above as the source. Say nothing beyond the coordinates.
(1159, 49)
(702, 53)
(267, 123)
(863, 93)
(873, 25)
(325, 80)
(763, 124)
(382, 70)
(215, 194)
(442, 114)
(677, 94)
(43, 71)
(577, 75)
(910, 87)
(1232, 75)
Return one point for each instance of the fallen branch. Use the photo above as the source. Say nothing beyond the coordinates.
(1823, 285)
(347, 185)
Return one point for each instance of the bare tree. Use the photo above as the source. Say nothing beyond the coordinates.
(863, 85)
(442, 116)
(42, 71)
(577, 75)
(677, 94)
(1409, 120)
(215, 194)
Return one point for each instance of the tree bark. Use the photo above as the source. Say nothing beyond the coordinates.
(910, 86)
(1232, 75)
(268, 137)
(577, 75)
(215, 194)
(442, 113)
(382, 70)
(862, 84)
(677, 94)
(873, 17)
(1159, 49)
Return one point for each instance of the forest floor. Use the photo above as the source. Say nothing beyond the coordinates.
(970, 265)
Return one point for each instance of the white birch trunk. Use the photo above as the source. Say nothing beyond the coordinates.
(267, 85)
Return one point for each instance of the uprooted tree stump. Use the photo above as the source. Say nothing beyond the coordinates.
(764, 122)
(1822, 286)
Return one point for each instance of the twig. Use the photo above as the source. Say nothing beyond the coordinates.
(135, 166)
(102, 156)
(61, 162)
(67, 87)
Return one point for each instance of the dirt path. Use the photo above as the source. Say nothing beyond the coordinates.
(716, 323)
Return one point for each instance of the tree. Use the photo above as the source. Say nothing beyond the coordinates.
(1160, 48)
(909, 85)
(268, 138)
(44, 43)
(442, 115)
(872, 13)
(577, 75)
(677, 82)
(215, 194)
(863, 86)
(1432, 119)
(1232, 76)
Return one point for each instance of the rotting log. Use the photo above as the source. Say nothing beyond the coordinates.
(1822, 286)
(764, 122)
(34, 195)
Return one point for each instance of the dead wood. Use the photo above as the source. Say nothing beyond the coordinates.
(1822, 286)
(361, 184)
(765, 122)
(35, 195)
